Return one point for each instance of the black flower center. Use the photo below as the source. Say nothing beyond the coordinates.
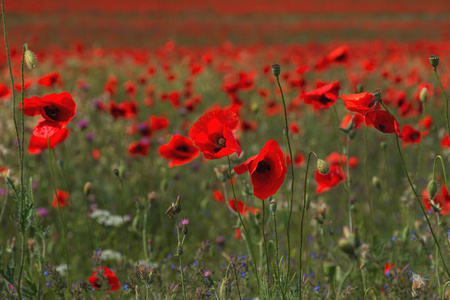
(182, 148)
(220, 142)
(52, 112)
(262, 167)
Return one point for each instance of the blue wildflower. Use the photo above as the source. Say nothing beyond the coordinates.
(48, 284)
(125, 287)
(45, 273)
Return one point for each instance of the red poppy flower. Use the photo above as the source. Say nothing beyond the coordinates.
(50, 79)
(360, 103)
(410, 135)
(426, 122)
(358, 121)
(339, 54)
(441, 200)
(4, 92)
(56, 109)
(63, 198)
(243, 209)
(218, 196)
(159, 123)
(445, 142)
(323, 97)
(110, 276)
(214, 132)
(382, 120)
(237, 234)
(18, 86)
(333, 178)
(37, 144)
(267, 170)
(127, 110)
(388, 268)
(180, 150)
(138, 148)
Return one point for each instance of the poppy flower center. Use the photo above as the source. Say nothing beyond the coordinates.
(220, 143)
(382, 127)
(182, 148)
(415, 136)
(52, 112)
(262, 167)
(324, 100)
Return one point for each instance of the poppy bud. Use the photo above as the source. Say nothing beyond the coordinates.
(273, 206)
(432, 189)
(322, 167)
(423, 95)
(276, 69)
(377, 95)
(383, 145)
(376, 182)
(359, 88)
(329, 269)
(87, 188)
(434, 61)
(30, 58)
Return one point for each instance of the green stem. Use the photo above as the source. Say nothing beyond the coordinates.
(366, 175)
(348, 185)
(88, 223)
(277, 267)
(247, 239)
(443, 169)
(349, 271)
(417, 197)
(436, 261)
(367, 292)
(420, 144)
(235, 278)
(60, 217)
(443, 291)
(144, 233)
(6, 200)
(180, 244)
(292, 182)
(446, 102)
(265, 244)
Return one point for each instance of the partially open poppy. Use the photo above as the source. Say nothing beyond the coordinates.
(383, 121)
(360, 103)
(411, 135)
(180, 150)
(323, 97)
(214, 132)
(267, 170)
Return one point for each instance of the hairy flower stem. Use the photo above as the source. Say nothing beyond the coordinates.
(180, 244)
(301, 224)
(446, 101)
(292, 181)
(235, 278)
(436, 259)
(341, 284)
(60, 217)
(247, 236)
(348, 185)
(417, 197)
(265, 243)
(277, 266)
(6, 200)
(366, 175)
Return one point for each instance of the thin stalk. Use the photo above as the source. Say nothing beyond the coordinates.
(180, 244)
(348, 185)
(235, 278)
(446, 101)
(277, 266)
(349, 271)
(265, 243)
(436, 261)
(443, 169)
(88, 223)
(301, 226)
(443, 290)
(417, 197)
(144, 233)
(366, 175)
(292, 182)
(248, 240)
(420, 144)
(60, 217)
(367, 292)
(6, 200)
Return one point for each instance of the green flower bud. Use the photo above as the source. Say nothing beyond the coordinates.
(377, 95)
(30, 58)
(273, 206)
(359, 88)
(432, 189)
(87, 188)
(329, 269)
(322, 167)
(376, 182)
(423, 95)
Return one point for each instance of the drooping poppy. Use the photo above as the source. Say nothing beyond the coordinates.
(358, 121)
(180, 150)
(214, 132)
(50, 79)
(441, 200)
(113, 282)
(139, 148)
(63, 198)
(267, 170)
(323, 97)
(333, 178)
(383, 121)
(410, 135)
(360, 103)
(56, 109)
(37, 144)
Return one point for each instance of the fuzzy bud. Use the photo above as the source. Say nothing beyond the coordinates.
(423, 95)
(432, 189)
(377, 95)
(273, 206)
(434, 61)
(276, 70)
(87, 188)
(30, 58)
(329, 269)
(322, 167)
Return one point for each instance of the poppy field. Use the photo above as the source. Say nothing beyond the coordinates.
(216, 150)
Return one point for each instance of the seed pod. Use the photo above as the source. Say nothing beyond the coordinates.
(276, 70)
(377, 95)
(434, 61)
